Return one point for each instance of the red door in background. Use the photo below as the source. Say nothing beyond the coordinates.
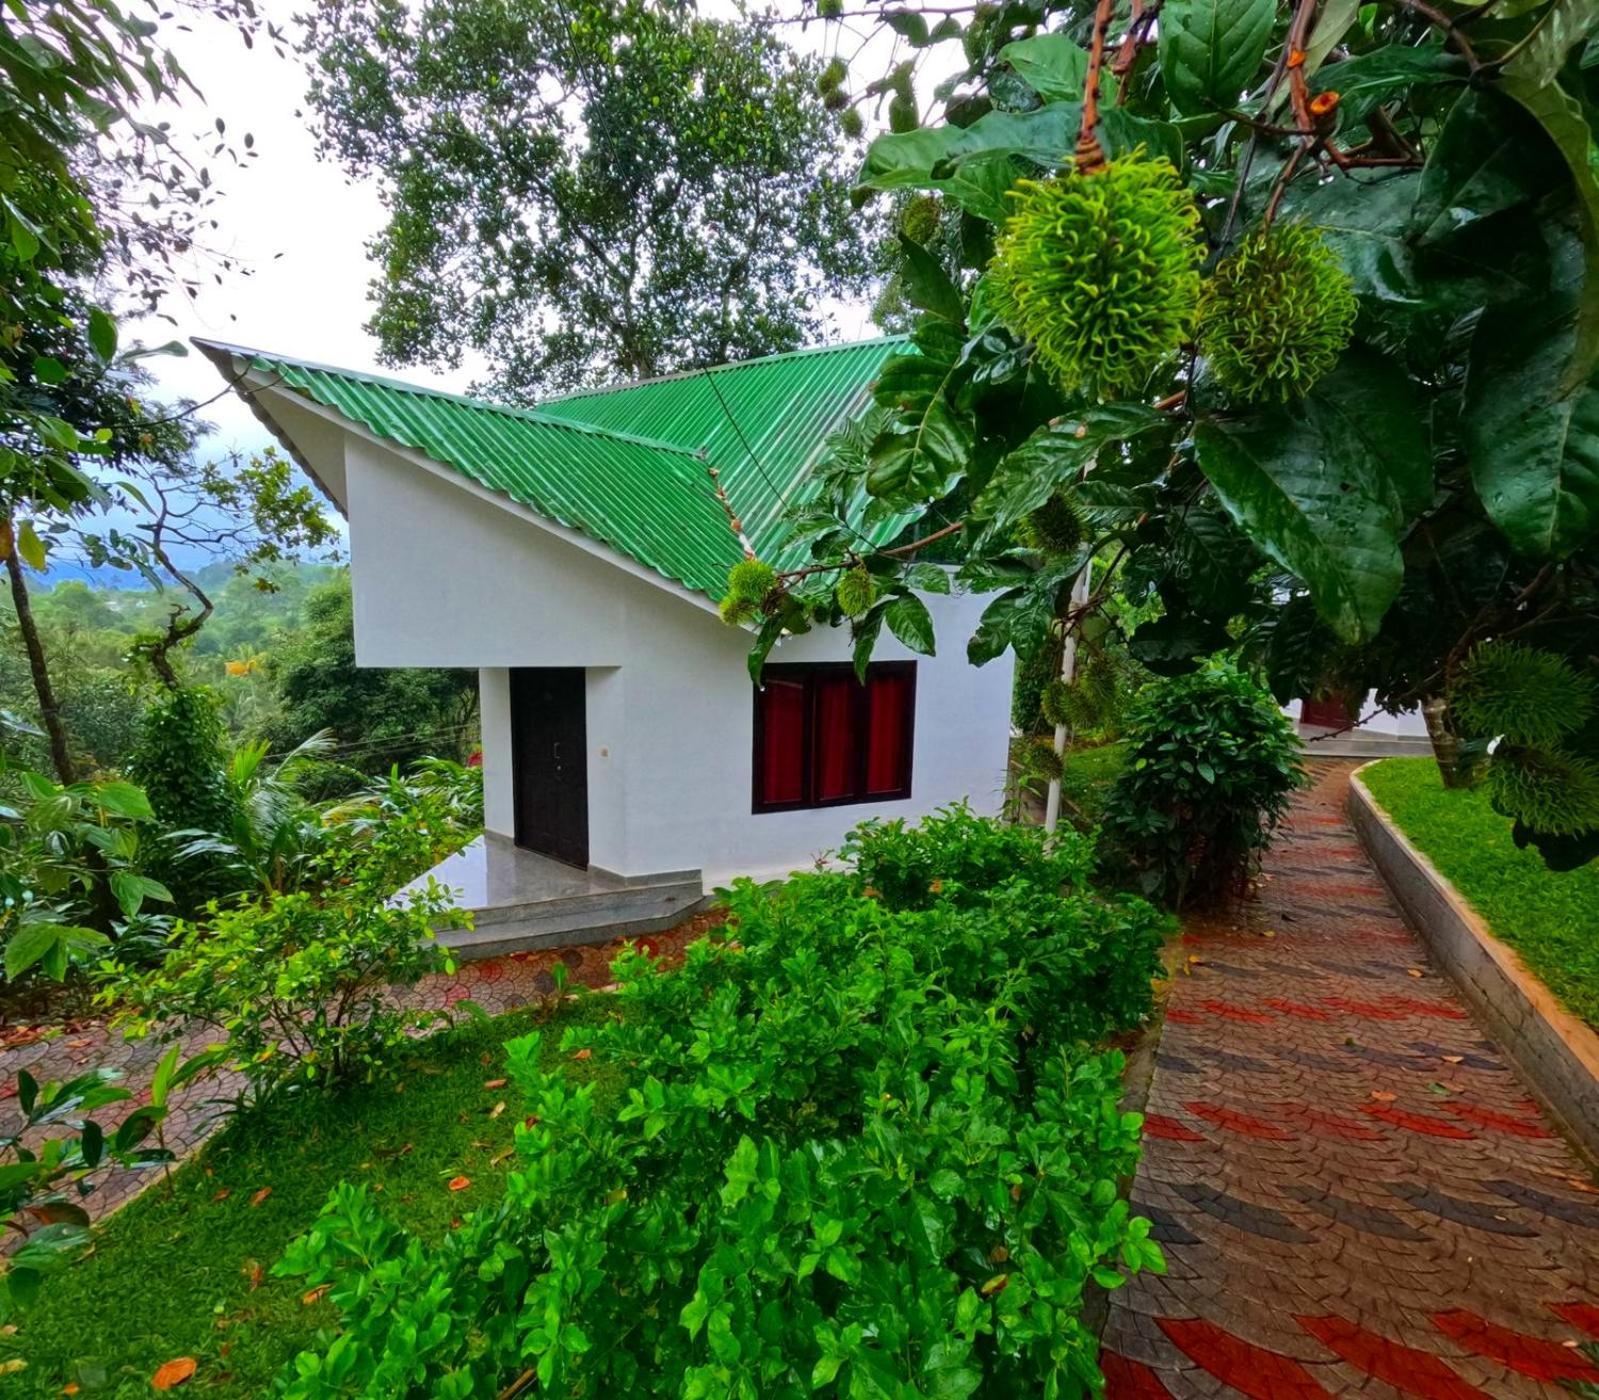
(1325, 714)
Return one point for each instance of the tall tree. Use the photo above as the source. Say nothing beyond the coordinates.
(584, 188)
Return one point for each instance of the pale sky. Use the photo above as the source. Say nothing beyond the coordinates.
(295, 226)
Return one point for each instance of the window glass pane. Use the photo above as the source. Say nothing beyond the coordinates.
(782, 741)
(836, 742)
(887, 758)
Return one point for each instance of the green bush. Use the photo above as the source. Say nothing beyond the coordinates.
(301, 990)
(954, 855)
(1211, 762)
(857, 1149)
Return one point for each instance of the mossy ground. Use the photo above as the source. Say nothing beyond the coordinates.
(188, 1272)
(1551, 918)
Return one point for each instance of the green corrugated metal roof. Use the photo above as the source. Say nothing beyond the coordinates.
(626, 465)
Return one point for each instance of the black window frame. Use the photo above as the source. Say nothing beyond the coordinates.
(806, 673)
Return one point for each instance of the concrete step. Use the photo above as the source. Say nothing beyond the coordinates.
(1378, 746)
(566, 920)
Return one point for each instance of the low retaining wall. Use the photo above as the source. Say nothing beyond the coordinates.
(1558, 1054)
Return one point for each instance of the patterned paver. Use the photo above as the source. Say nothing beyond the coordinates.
(1355, 1191)
(495, 984)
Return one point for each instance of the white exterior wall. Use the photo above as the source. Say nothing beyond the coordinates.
(443, 577)
(1408, 724)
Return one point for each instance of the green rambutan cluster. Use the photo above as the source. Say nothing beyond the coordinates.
(856, 591)
(1546, 790)
(1053, 528)
(1276, 314)
(749, 583)
(1100, 272)
(1527, 695)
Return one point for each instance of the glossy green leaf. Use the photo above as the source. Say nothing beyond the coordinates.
(1365, 82)
(1541, 54)
(102, 333)
(1211, 50)
(1481, 164)
(1053, 456)
(1561, 116)
(30, 546)
(1051, 64)
(909, 620)
(928, 285)
(1533, 444)
(1324, 486)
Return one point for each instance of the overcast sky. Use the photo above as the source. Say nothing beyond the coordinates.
(295, 226)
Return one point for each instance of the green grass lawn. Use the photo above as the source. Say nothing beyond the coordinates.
(1550, 918)
(188, 1273)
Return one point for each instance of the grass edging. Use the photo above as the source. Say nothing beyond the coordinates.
(1557, 1052)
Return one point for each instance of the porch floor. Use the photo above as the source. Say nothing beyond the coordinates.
(521, 900)
(1361, 743)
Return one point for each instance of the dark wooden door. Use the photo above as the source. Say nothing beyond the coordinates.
(1325, 714)
(549, 756)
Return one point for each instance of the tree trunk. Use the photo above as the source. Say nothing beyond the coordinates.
(1453, 767)
(1068, 672)
(49, 706)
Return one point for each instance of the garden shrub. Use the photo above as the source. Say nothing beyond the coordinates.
(956, 854)
(857, 1147)
(1211, 762)
(301, 989)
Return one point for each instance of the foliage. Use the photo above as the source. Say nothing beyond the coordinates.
(619, 189)
(73, 872)
(1431, 491)
(401, 826)
(1276, 314)
(181, 762)
(1099, 272)
(955, 856)
(272, 833)
(43, 1178)
(855, 1147)
(205, 1246)
(300, 989)
(1211, 763)
(1546, 916)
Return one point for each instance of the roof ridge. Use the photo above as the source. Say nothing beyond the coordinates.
(531, 415)
(731, 365)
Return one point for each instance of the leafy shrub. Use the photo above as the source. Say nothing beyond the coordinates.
(402, 826)
(300, 989)
(855, 1149)
(1210, 765)
(41, 1186)
(71, 872)
(181, 762)
(956, 855)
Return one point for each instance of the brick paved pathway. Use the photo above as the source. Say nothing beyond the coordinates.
(1355, 1192)
(495, 984)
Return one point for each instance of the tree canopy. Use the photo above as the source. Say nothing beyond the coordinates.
(1292, 308)
(585, 189)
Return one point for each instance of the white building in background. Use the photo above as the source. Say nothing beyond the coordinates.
(573, 555)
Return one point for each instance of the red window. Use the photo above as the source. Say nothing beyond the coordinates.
(824, 739)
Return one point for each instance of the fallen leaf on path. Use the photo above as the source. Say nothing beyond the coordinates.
(260, 1195)
(498, 1109)
(222, 1194)
(494, 1083)
(1453, 1059)
(255, 1273)
(316, 1295)
(1383, 1096)
(173, 1373)
(1414, 972)
(460, 1183)
(583, 1054)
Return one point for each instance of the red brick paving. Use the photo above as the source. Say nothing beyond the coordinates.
(497, 985)
(1355, 1193)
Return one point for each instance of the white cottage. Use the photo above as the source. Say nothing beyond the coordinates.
(573, 555)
